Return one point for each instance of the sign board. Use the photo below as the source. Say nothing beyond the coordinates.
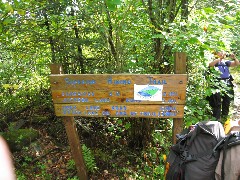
(119, 95)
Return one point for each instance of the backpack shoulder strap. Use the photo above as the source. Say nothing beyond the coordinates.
(194, 133)
(231, 140)
(234, 139)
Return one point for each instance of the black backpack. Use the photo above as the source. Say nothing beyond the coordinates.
(195, 156)
(231, 140)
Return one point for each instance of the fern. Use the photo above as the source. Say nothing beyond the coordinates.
(89, 159)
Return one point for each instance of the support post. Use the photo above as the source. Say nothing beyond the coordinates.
(73, 138)
(179, 68)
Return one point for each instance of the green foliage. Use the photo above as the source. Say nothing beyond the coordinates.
(74, 178)
(23, 93)
(20, 175)
(150, 165)
(40, 173)
(71, 164)
(43, 172)
(34, 34)
(89, 159)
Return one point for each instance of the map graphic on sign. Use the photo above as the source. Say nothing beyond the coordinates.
(148, 92)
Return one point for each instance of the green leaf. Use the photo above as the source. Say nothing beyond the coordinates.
(119, 122)
(158, 36)
(21, 12)
(6, 86)
(7, 21)
(230, 18)
(228, 27)
(193, 40)
(127, 126)
(111, 128)
(200, 112)
(9, 8)
(112, 4)
(16, 3)
(209, 10)
(116, 2)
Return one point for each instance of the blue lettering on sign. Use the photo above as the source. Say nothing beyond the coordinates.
(90, 93)
(119, 108)
(133, 113)
(112, 93)
(102, 100)
(157, 114)
(106, 113)
(167, 113)
(117, 82)
(70, 110)
(121, 113)
(132, 100)
(92, 113)
(93, 108)
(67, 100)
(78, 81)
(173, 93)
(148, 113)
(172, 101)
(155, 81)
(167, 108)
(77, 93)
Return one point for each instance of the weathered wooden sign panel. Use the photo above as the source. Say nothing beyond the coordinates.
(119, 95)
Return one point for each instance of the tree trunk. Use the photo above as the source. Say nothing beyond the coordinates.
(79, 57)
(51, 42)
(110, 39)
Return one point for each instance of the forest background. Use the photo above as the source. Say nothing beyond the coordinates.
(104, 37)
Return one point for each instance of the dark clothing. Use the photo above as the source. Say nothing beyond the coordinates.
(220, 101)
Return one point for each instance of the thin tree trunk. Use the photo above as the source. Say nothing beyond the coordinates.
(79, 57)
(110, 40)
(51, 42)
(185, 12)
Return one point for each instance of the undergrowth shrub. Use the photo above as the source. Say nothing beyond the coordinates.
(89, 159)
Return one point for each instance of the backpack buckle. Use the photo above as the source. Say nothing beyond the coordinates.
(184, 155)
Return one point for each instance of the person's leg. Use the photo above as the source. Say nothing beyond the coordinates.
(215, 103)
(225, 105)
(227, 98)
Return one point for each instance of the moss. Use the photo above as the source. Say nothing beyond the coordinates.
(17, 139)
(40, 119)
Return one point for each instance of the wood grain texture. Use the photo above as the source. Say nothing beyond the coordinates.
(75, 95)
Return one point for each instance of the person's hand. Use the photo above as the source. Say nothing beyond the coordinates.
(6, 162)
(232, 56)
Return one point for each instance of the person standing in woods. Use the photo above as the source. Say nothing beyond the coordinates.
(6, 163)
(220, 100)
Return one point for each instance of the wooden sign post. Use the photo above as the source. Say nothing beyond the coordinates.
(72, 134)
(115, 95)
(180, 59)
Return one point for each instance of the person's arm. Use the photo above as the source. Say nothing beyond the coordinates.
(213, 63)
(6, 164)
(235, 61)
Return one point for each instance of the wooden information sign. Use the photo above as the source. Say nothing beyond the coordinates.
(119, 95)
